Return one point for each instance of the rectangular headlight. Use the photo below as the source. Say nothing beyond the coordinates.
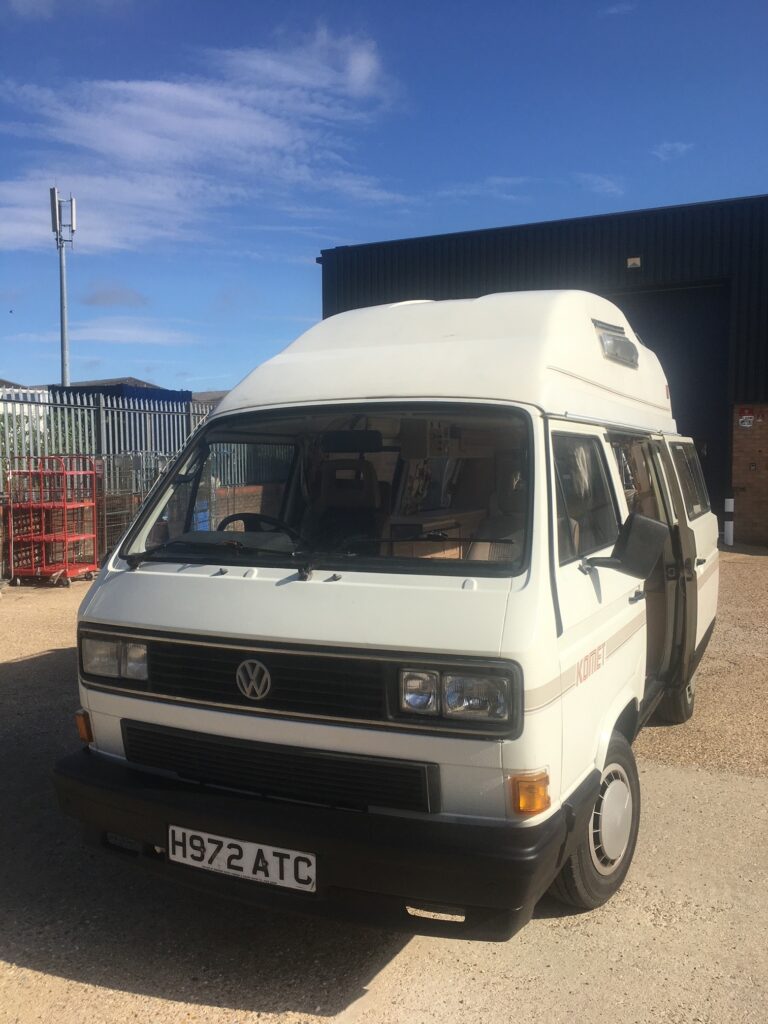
(419, 691)
(476, 697)
(134, 664)
(101, 657)
(115, 659)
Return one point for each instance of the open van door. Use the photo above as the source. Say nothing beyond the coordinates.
(698, 539)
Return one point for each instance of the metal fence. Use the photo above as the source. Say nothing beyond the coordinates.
(124, 482)
(132, 439)
(60, 423)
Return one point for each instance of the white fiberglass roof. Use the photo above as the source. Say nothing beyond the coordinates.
(542, 348)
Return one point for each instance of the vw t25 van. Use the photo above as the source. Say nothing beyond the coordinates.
(379, 642)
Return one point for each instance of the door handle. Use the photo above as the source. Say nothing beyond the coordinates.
(639, 595)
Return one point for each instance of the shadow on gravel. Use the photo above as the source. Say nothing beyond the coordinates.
(548, 908)
(74, 912)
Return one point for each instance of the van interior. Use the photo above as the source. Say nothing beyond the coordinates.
(394, 485)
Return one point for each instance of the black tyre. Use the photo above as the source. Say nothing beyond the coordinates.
(676, 706)
(601, 860)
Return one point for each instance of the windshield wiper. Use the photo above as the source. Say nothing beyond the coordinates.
(136, 558)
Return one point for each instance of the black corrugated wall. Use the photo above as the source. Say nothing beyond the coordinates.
(699, 298)
(719, 243)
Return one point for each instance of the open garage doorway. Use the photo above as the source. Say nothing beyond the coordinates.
(688, 329)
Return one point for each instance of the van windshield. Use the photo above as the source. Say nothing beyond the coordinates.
(371, 486)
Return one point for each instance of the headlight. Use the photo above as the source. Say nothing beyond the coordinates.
(419, 691)
(101, 657)
(456, 694)
(134, 665)
(115, 659)
(484, 697)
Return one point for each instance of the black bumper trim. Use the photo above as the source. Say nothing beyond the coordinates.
(370, 866)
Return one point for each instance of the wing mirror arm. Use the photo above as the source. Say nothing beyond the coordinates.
(638, 548)
(588, 565)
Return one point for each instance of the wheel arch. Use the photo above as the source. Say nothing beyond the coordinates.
(622, 717)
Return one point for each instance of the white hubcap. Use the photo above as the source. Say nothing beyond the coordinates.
(611, 823)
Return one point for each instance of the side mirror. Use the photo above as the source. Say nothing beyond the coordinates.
(637, 549)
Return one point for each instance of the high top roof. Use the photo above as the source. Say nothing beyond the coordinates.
(542, 348)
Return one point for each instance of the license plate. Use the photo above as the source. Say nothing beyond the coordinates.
(270, 865)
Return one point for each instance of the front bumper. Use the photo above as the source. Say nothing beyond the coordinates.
(370, 867)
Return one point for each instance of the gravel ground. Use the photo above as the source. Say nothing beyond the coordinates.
(86, 938)
(729, 729)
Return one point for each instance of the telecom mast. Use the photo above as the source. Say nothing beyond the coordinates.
(64, 228)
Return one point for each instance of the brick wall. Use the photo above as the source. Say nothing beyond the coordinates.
(750, 474)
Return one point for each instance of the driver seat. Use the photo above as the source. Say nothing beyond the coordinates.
(500, 536)
(348, 503)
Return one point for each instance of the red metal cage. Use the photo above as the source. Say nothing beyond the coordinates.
(52, 517)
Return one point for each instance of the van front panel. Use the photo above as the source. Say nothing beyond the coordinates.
(340, 638)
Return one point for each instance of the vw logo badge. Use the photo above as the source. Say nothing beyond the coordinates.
(253, 680)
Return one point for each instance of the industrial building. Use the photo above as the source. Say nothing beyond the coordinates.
(693, 281)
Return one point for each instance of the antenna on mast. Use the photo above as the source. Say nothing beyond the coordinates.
(64, 230)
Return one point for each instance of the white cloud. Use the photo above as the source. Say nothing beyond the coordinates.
(152, 160)
(361, 188)
(112, 330)
(32, 8)
(308, 74)
(47, 8)
(115, 211)
(620, 8)
(603, 184)
(493, 187)
(156, 124)
(671, 150)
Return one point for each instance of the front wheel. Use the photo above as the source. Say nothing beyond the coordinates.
(601, 860)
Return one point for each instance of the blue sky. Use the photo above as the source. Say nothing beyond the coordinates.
(216, 146)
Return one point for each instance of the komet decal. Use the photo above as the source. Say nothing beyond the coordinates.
(590, 663)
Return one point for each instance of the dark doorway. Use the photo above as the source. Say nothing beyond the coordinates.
(687, 328)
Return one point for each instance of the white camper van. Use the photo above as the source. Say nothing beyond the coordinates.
(380, 640)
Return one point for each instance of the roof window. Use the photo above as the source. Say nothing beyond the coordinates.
(616, 345)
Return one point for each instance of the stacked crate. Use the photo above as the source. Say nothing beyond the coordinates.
(52, 518)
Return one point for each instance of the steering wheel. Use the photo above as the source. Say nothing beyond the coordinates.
(255, 522)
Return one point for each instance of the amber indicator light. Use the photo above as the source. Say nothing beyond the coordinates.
(83, 723)
(529, 793)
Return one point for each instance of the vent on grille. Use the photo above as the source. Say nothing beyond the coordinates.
(285, 773)
(305, 684)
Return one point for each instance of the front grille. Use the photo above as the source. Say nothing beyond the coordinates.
(313, 683)
(285, 773)
(306, 684)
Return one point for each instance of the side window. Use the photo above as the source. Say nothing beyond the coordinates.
(691, 478)
(586, 513)
(641, 488)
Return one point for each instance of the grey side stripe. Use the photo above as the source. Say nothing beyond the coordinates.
(544, 695)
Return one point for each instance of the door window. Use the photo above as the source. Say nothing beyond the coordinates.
(586, 512)
(641, 488)
(691, 478)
